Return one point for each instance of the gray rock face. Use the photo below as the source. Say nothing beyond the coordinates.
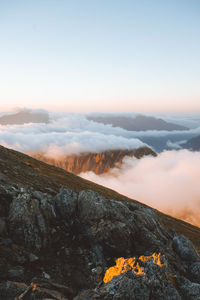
(119, 230)
(184, 248)
(194, 270)
(66, 203)
(188, 290)
(9, 289)
(106, 222)
(5, 200)
(129, 286)
(29, 220)
(32, 257)
(16, 272)
(76, 237)
(2, 226)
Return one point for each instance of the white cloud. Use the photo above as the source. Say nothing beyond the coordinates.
(65, 134)
(169, 182)
(173, 145)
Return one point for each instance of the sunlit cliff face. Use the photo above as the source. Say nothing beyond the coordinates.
(124, 265)
(98, 163)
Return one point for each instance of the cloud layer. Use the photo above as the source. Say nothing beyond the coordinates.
(73, 133)
(66, 134)
(169, 182)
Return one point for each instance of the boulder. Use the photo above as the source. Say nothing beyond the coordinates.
(29, 220)
(2, 226)
(184, 248)
(154, 284)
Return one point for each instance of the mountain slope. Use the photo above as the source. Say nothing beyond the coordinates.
(44, 177)
(137, 123)
(99, 163)
(192, 144)
(60, 233)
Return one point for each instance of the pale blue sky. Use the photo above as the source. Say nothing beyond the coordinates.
(100, 55)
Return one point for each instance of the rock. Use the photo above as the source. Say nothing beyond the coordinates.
(184, 248)
(2, 226)
(10, 257)
(73, 238)
(9, 290)
(194, 270)
(97, 270)
(33, 257)
(12, 290)
(119, 230)
(66, 203)
(38, 195)
(187, 289)
(16, 273)
(5, 200)
(106, 221)
(46, 276)
(129, 286)
(67, 251)
(43, 293)
(29, 220)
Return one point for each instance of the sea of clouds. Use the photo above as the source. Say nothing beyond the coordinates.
(66, 134)
(169, 182)
(74, 133)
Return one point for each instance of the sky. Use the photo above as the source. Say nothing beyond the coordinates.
(108, 55)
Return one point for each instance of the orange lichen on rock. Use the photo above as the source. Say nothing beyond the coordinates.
(154, 256)
(124, 265)
(34, 286)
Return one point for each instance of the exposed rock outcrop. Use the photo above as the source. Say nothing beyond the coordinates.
(59, 247)
(59, 234)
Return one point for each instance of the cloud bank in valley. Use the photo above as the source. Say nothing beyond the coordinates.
(73, 133)
(65, 134)
(169, 182)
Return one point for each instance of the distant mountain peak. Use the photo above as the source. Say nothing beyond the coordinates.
(25, 116)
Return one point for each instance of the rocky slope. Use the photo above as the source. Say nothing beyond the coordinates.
(97, 162)
(59, 234)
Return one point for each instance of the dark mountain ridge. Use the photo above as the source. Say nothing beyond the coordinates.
(137, 123)
(192, 144)
(60, 233)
